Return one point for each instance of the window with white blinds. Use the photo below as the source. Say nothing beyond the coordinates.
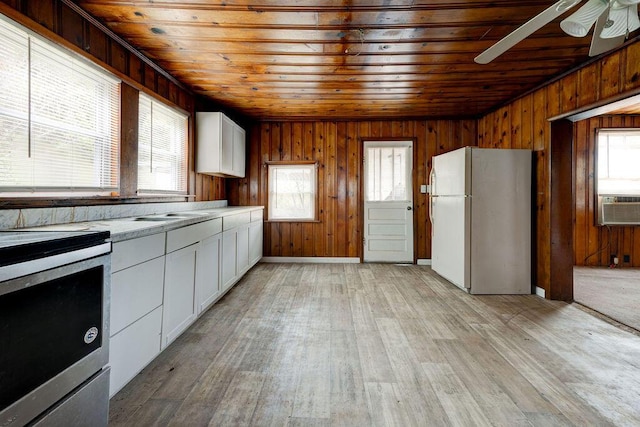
(59, 119)
(162, 148)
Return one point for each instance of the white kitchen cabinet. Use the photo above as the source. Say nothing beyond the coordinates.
(228, 264)
(220, 145)
(255, 242)
(187, 264)
(242, 249)
(135, 291)
(133, 348)
(207, 285)
(137, 282)
(179, 279)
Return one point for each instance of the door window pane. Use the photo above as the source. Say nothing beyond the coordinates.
(386, 170)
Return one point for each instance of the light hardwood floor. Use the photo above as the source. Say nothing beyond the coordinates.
(373, 344)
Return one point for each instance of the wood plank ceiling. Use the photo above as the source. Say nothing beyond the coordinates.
(344, 59)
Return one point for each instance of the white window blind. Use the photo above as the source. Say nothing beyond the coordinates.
(59, 119)
(292, 191)
(162, 148)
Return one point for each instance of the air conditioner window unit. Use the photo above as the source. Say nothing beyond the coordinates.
(619, 210)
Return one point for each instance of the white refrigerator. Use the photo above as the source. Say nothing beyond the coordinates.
(480, 212)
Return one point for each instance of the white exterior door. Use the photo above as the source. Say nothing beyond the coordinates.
(388, 201)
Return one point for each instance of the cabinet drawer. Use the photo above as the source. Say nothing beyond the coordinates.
(191, 234)
(133, 348)
(232, 221)
(135, 251)
(135, 291)
(257, 215)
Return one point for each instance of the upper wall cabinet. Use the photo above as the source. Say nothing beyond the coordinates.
(220, 145)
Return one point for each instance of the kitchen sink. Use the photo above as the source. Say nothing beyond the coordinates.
(185, 214)
(158, 218)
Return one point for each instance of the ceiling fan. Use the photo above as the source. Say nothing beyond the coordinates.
(613, 19)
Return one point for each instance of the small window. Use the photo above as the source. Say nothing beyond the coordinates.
(59, 120)
(292, 191)
(618, 176)
(162, 148)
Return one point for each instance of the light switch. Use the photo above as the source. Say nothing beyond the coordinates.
(423, 188)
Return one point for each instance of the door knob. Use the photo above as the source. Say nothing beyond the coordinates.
(409, 208)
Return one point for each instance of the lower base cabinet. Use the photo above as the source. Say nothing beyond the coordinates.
(179, 277)
(207, 288)
(161, 283)
(133, 348)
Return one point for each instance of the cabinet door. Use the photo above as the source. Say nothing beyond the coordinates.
(135, 291)
(208, 272)
(238, 151)
(179, 280)
(242, 254)
(255, 243)
(228, 265)
(133, 348)
(226, 164)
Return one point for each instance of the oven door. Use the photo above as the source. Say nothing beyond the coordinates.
(54, 335)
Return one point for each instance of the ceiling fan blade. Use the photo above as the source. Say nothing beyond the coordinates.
(600, 45)
(525, 30)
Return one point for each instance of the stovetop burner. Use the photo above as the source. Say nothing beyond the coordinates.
(24, 245)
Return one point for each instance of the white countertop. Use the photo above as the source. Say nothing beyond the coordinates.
(144, 225)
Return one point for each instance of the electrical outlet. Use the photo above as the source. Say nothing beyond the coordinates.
(626, 258)
(615, 260)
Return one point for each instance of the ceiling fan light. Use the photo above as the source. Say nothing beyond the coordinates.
(579, 23)
(624, 20)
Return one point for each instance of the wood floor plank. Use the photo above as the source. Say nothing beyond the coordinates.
(385, 345)
(239, 401)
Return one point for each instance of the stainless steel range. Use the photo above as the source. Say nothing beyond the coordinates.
(54, 328)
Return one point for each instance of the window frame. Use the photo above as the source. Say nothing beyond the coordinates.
(314, 187)
(153, 100)
(44, 48)
(609, 197)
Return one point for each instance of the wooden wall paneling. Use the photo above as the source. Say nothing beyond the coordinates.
(515, 138)
(44, 12)
(568, 93)
(420, 201)
(308, 153)
(352, 177)
(71, 26)
(119, 58)
(264, 146)
(541, 225)
(319, 228)
(631, 70)
(588, 84)
(97, 44)
(341, 240)
(597, 243)
(331, 192)
(610, 76)
(526, 124)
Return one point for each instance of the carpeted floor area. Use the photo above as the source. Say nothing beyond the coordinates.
(614, 292)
